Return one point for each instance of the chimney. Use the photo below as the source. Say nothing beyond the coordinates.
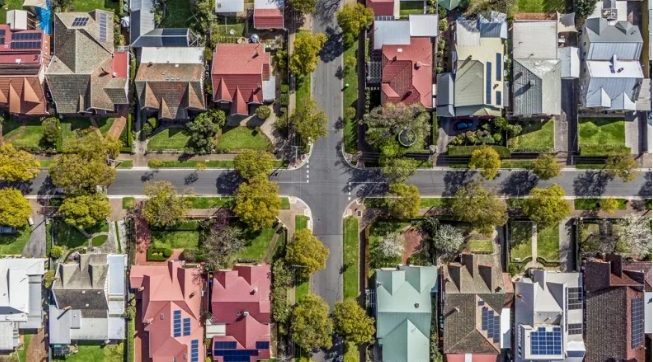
(616, 264)
(142, 288)
(255, 54)
(486, 272)
(255, 290)
(114, 74)
(469, 261)
(456, 309)
(245, 314)
(176, 65)
(394, 58)
(149, 64)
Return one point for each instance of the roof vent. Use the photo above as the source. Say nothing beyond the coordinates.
(149, 64)
(255, 290)
(83, 292)
(399, 50)
(418, 65)
(114, 74)
(255, 54)
(416, 305)
(245, 313)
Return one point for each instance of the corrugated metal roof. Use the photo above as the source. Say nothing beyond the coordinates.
(570, 58)
(117, 264)
(59, 326)
(605, 40)
(492, 24)
(164, 38)
(467, 33)
(534, 40)
(423, 25)
(469, 83)
(390, 32)
(269, 91)
(172, 55)
(445, 89)
(229, 6)
(536, 87)
(602, 86)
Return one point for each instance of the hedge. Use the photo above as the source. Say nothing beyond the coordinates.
(434, 129)
(603, 150)
(503, 152)
(182, 225)
(126, 136)
(158, 254)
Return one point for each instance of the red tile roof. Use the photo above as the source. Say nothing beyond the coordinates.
(407, 73)
(451, 357)
(382, 7)
(240, 69)
(268, 19)
(120, 64)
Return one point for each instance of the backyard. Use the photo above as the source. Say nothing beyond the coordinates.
(548, 244)
(89, 5)
(234, 139)
(13, 244)
(378, 231)
(176, 239)
(411, 7)
(480, 246)
(109, 353)
(601, 131)
(9, 5)
(177, 14)
(168, 139)
(521, 240)
(227, 24)
(536, 136)
(539, 6)
(350, 258)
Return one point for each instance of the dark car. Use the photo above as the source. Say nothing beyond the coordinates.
(461, 126)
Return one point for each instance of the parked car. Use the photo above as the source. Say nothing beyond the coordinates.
(463, 125)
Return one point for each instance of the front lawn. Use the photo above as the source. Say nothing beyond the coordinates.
(99, 240)
(108, 353)
(175, 239)
(30, 136)
(430, 202)
(13, 244)
(410, 7)
(602, 131)
(350, 258)
(168, 139)
(540, 6)
(548, 244)
(234, 139)
(521, 240)
(257, 244)
(71, 126)
(68, 236)
(301, 222)
(350, 99)
(377, 232)
(481, 246)
(593, 204)
(209, 202)
(177, 14)
(536, 136)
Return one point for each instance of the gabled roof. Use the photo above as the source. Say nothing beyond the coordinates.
(535, 40)
(15, 277)
(229, 6)
(599, 30)
(406, 76)
(488, 25)
(570, 58)
(268, 14)
(399, 32)
(613, 85)
(168, 37)
(536, 86)
(382, 7)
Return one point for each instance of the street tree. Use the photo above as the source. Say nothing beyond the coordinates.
(353, 18)
(164, 206)
(546, 167)
(282, 279)
(546, 205)
(475, 204)
(17, 165)
(14, 208)
(257, 203)
(487, 159)
(623, 166)
(398, 169)
(311, 326)
(402, 201)
(202, 133)
(447, 239)
(635, 232)
(306, 252)
(350, 64)
(303, 7)
(352, 323)
(253, 163)
(93, 145)
(79, 175)
(309, 121)
(304, 59)
(84, 211)
(220, 246)
(609, 205)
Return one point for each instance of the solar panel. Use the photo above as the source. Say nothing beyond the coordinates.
(176, 323)
(575, 328)
(103, 27)
(546, 342)
(80, 21)
(174, 31)
(488, 83)
(186, 326)
(574, 298)
(26, 45)
(491, 323)
(224, 345)
(26, 36)
(498, 98)
(637, 322)
(498, 67)
(262, 345)
(235, 352)
(194, 350)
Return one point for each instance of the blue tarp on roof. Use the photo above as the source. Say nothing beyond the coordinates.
(45, 18)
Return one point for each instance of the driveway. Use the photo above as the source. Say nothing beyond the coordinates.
(570, 115)
(36, 245)
(633, 133)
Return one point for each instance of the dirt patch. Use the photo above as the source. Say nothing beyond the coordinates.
(412, 243)
(37, 350)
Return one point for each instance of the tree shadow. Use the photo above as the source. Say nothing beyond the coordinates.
(191, 178)
(591, 183)
(453, 180)
(645, 191)
(519, 183)
(333, 46)
(227, 183)
(148, 176)
(26, 186)
(325, 10)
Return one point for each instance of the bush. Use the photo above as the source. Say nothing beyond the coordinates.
(126, 136)
(51, 133)
(157, 254)
(167, 252)
(285, 88)
(182, 225)
(283, 100)
(263, 112)
(603, 150)
(503, 152)
(48, 278)
(152, 122)
(147, 129)
(350, 113)
(435, 128)
(56, 252)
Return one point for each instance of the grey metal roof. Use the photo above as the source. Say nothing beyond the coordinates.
(643, 102)
(469, 83)
(59, 326)
(391, 32)
(570, 58)
(229, 6)
(141, 18)
(269, 89)
(605, 40)
(604, 88)
(423, 24)
(536, 87)
(172, 37)
(492, 24)
(117, 265)
(7, 336)
(445, 95)
(534, 39)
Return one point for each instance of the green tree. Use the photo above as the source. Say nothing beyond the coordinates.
(14, 208)
(51, 133)
(398, 169)
(252, 163)
(353, 18)
(16, 165)
(84, 211)
(352, 323)
(546, 205)
(350, 64)
(609, 205)
(257, 203)
(622, 166)
(583, 8)
(218, 117)
(303, 6)
(311, 326)
(487, 159)
(546, 167)
(402, 201)
(475, 204)
(202, 133)
(95, 146)
(56, 252)
(309, 121)
(48, 278)
(303, 60)
(164, 206)
(307, 251)
(220, 246)
(263, 112)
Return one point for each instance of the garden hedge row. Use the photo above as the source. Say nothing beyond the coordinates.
(126, 136)
(503, 152)
(158, 254)
(603, 150)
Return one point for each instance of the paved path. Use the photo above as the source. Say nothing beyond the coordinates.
(36, 245)
(565, 247)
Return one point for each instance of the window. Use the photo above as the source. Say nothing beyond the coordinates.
(636, 322)
(194, 350)
(186, 326)
(176, 323)
(262, 345)
(574, 298)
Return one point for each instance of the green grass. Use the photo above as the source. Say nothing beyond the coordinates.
(536, 136)
(241, 138)
(68, 236)
(411, 7)
(210, 202)
(285, 203)
(303, 90)
(228, 24)
(45, 164)
(190, 164)
(429, 202)
(85, 353)
(71, 126)
(14, 244)
(99, 240)
(257, 244)
(177, 15)
(168, 139)
(131, 335)
(350, 99)
(175, 239)
(126, 164)
(590, 236)
(476, 246)
(102, 226)
(30, 138)
(520, 240)
(539, 6)
(548, 243)
(589, 166)
(22, 352)
(350, 258)
(602, 131)
(117, 228)
(302, 288)
(593, 204)
(9, 5)
(301, 222)
(128, 203)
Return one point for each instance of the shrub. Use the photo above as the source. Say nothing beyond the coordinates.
(283, 100)
(152, 122)
(56, 252)
(51, 133)
(263, 112)
(503, 152)
(167, 252)
(157, 254)
(147, 129)
(285, 88)
(350, 113)
(48, 278)
(182, 225)
(603, 150)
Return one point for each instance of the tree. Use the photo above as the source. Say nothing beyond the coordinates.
(350, 64)
(481, 207)
(303, 60)
(635, 232)
(308, 252)
(609, 205)
(353, 18)
(48, 279)
(448, 239)
(583, 8)
(282, 278)
(487, 159)
(95, 146)
(622, 166)
(202, 133)
(352, 323)
(546, 206)
(311, 326)
(218, 117)
(17, 165)
(390, 247)
(309, 121)
(403, 201)
(398, 169)
(56, 252)
(84, 211)
(51, 133)
(14, 208)
(163, 206)
(257, 203)
(546, 166)
(252, 163)
(303, 6)
(220, 246)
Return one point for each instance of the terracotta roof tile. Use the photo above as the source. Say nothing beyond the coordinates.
(268, 19)
(407, 70)
(382, 7)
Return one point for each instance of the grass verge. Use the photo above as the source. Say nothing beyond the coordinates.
(128, 203)
(350, 99)
(301, 222)
(350, 258)
(126, 164)
(593, 204)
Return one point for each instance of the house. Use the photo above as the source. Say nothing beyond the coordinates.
(240, 306)
(615, 298)
(537, 70)
(242, 76)
(549, 317)
(24, 57)
(476, 308)
(144, 33)
(170, 82)
(229, 7)
(20, 298)
(611, 74)
(268, 14)
(402, 59)
(86, 74)
(403, 312)
(169, 301)
(88, 300)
